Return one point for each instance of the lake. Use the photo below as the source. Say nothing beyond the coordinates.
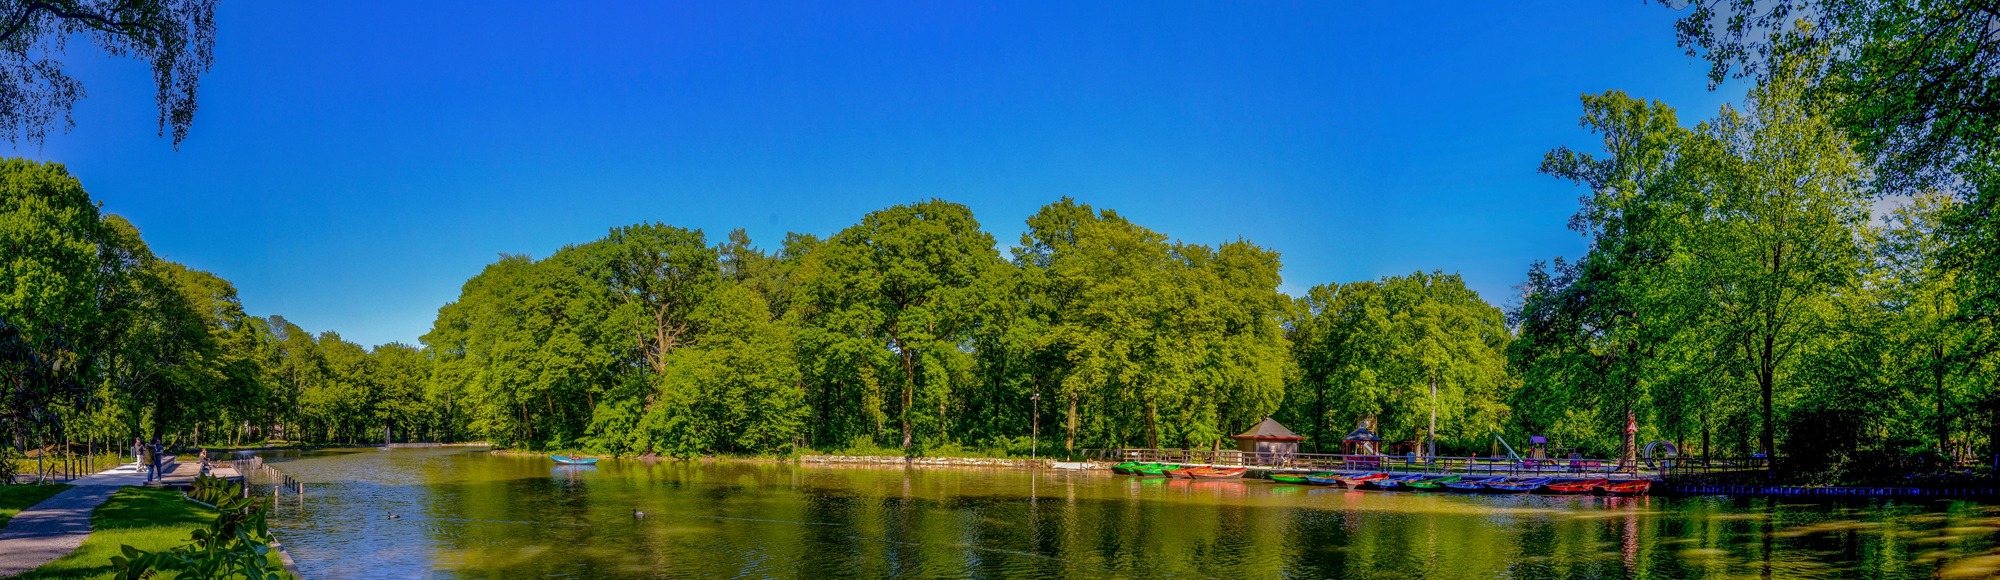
(466, 513)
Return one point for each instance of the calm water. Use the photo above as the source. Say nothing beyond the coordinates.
(466, 513)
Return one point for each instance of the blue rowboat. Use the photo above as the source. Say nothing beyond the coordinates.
(1475, 484)
(567, 460)
(1517, 485)
(1392, 483)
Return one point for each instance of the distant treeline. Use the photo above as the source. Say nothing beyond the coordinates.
(1813, 276)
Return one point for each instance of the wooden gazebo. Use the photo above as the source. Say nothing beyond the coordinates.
(1269, 443)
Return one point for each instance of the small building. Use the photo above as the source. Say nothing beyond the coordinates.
(1269, 443)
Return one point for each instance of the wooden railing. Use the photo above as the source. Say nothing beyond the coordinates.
(1308, 462)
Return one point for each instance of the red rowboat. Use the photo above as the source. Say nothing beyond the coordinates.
(1626, 488)
(1209, 473)
(1574, 487)
(1356, 481)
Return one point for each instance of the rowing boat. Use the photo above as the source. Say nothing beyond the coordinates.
(1625, 488)
(1391, 483)
(1517, 485)
(1206, 472)
(1473, 485)
(1356, 481)
(1432, 483)
(568, 460)
(1572, 487)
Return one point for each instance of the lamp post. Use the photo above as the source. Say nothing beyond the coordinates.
(1035, 428)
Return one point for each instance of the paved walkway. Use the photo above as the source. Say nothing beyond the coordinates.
(55, 527)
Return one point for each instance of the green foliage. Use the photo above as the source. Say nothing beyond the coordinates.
(176, 38)
(237, 544)
(1374, 349)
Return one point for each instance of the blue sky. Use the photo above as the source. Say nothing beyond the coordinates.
(353, 164)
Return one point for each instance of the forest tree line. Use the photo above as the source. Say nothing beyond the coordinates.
(1809, 274)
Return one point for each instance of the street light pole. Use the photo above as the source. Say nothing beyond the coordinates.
(1035, 428)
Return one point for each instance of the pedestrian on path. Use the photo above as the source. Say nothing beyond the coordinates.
(153, 460)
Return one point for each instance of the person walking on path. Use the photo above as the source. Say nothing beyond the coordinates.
(54, 528)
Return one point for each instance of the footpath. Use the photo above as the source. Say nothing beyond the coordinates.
(55, 527)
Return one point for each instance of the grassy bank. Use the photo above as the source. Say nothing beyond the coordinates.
(148, 519)
(14, 498)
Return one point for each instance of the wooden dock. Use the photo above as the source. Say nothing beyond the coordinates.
(178, 475)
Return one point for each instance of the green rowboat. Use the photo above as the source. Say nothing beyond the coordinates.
(1432, 483)
(1281, 478)
(1154, 469)
(1125, 468)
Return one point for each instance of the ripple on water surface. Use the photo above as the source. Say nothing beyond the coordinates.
(467, 513)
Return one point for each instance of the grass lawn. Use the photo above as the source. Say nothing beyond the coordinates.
(14, 498)
(148, 519)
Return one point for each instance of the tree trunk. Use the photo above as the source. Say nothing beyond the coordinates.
(1069, 441)
(1767, 374)
(1943, 421)
(909, 387)
(1152, 425)
(1631, 438)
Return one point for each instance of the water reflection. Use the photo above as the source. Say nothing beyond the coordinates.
(466, 513)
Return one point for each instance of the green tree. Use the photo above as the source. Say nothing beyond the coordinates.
(1375, 350)
(50, 320)
(906, 280)
(175, 37)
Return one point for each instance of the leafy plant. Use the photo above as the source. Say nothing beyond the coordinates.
(236, 545)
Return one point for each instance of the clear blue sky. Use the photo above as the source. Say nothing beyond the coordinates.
(352, 165)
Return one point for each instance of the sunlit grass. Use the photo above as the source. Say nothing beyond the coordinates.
(14, 498)
(148, 519)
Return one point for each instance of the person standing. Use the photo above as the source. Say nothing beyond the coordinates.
(153, 460)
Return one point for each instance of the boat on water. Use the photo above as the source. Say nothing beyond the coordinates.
(1572, 487)
(1206, 472)
(1356, 481)
(1391, 483)
(1517, 485)
(1154, 469)
(1288, 478)
(1472, 484)
(1431, 483)
(1221, 473)
(1630, 488)
(571, 460)
(1126, 468)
